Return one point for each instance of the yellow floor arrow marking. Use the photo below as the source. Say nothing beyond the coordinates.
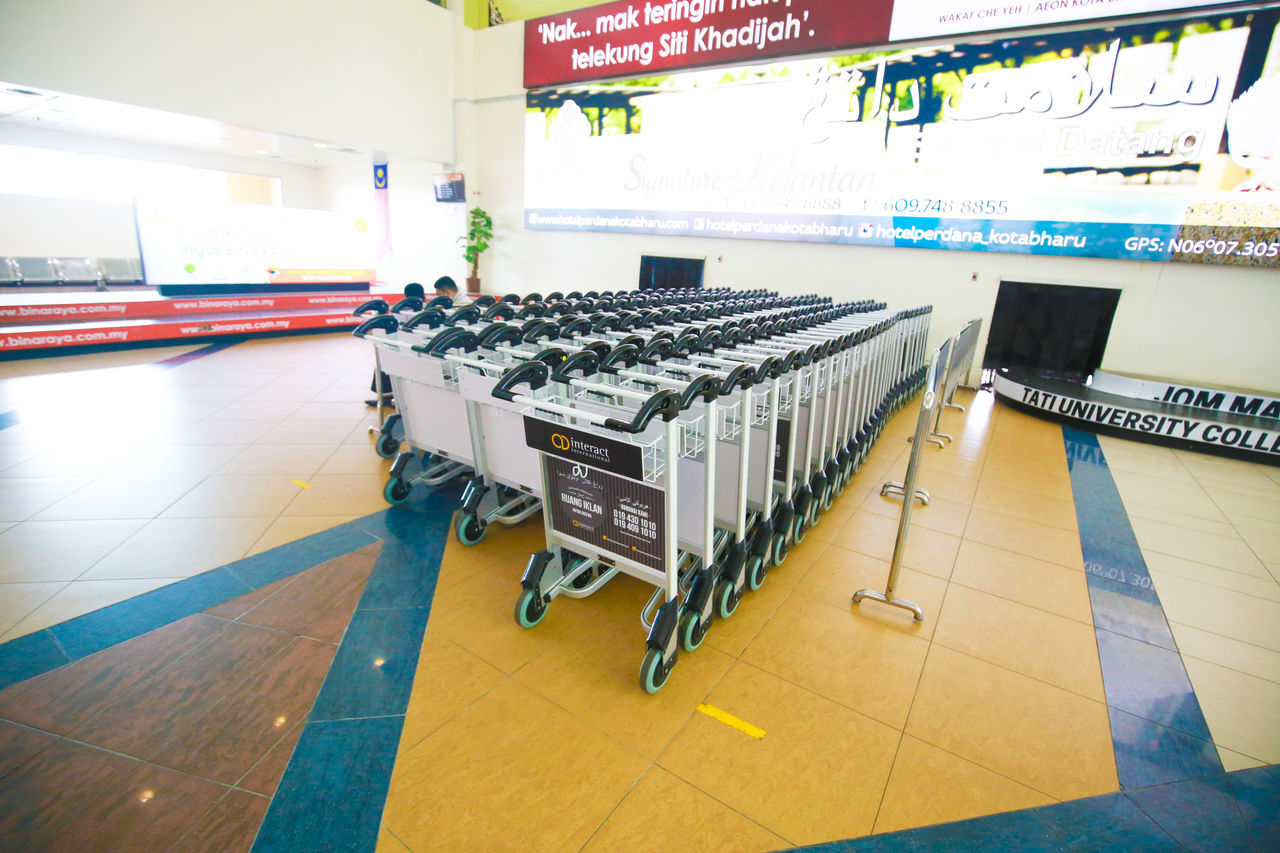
(730, 720)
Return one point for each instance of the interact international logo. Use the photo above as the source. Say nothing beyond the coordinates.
(559, 442)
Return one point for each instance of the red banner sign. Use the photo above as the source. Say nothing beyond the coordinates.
(639, 37)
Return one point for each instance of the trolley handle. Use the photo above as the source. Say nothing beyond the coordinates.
(531, 297)
(533, 309)
(378, 306)
(742, 376)
(600, 348)
(584, 305)
(409, 303)
(511, 299)
(586, 362)
(665, 403)
(704, 386)
(433, 317)
(378, 321)
(574, 327)
(464, 314)
(484, 301)
(686, 343)
(440, 302)
(631, 340)
(451, 338)
(551, 356)
(536, 330)
(622, 355)
(500, 310)
(533, 372)
(710, 340)
(554, 296)
(656, 351)
(558, 307)
(497, 334)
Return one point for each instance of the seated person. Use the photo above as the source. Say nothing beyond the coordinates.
(445, 286)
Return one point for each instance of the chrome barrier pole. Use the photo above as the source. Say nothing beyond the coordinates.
(927, 406)
(962, 361)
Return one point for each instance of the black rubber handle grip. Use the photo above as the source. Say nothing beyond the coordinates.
(710, 340)
(574, 327)
(665, 403)
(532, 297)
(379, 306)
(409, 303)
(584, 361)
(704, 386)
(533, 309)
(573, 294)
(600, 348)
(378, 321)
(483, 301)
(497, 334)
(537, 330)
(433, 317)
(465, 314)
(742, 376)
(657, 350)
(553, 296)
(687, 342)
(511, 299)
(533, 372)
(499, 311)
(559, 307)
(632, 340)
(440, 302)
(551, 356)
(450, 338)
(622, 355)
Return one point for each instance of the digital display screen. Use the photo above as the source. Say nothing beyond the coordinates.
(450, 187)
(1156, 141)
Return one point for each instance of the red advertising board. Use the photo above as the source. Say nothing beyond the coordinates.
(640, 37)
(132, 331)
(82, 307)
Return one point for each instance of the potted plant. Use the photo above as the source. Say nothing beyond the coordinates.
(476, 240)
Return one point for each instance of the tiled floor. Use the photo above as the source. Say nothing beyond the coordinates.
(120, 473)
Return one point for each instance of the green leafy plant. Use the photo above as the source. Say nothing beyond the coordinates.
(479, 234)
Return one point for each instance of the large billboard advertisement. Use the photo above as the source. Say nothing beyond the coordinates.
(1154, 141)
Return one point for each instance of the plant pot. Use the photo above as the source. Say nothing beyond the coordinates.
(473, 285)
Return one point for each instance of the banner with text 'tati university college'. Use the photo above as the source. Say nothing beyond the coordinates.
(1144, 138)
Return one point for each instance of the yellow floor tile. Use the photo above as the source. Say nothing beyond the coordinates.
(940, 484)
(546, 779)
(282, 531)
(353, 459)
(236, 496)
(940, 514)
(949, 463)
(1021, 503)
(662, 809)
(817, 774)
(1032, 458)
(839, 573)
(1220, 611)
(1035, 583)
(448, 679)
(929, 786)
(1046, 738)
(1054, 485)
(926, 550)
(1052, 544)
(1064, 652)
(289, 460)
(179, 547)
(733, 635)
(339, 494)
(839, 653)
(1224, 651)
(80, 597)
(388, 843)
(1243, 712)
(221, 432)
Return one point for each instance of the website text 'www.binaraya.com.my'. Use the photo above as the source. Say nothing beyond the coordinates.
(64, 338)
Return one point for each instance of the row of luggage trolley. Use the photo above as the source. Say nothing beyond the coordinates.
(687, 439)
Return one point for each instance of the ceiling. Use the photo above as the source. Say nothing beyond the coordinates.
(76, 114)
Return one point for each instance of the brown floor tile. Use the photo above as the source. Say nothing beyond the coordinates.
(647, 813)
(839, 653)
(228, 827)
(148, 717)
(20, 743)
(66, 697)
(524, 758)
(817, 774)
(1051, 740)
(320, 601)
(236, 607)
(227, 741)
(930, 786)
(76, 797)
(267, 773)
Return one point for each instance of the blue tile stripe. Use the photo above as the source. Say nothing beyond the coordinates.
(8, 419)
(1157, 726)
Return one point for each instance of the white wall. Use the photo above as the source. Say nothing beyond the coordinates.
(1208, 325)
(375, 74)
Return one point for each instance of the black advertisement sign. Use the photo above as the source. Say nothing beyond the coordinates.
(780, 449)
(616, 457)
(616, 515)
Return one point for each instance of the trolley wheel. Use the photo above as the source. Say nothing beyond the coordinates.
(583, 580)
(652, 672)
(387, 446)
(801, 527)
(692, 631)
(813, 515)
(726, 599)
(396, 491)
(470, 529)
(828, 495)
(779, 549)
(756, 572)
(530, 609)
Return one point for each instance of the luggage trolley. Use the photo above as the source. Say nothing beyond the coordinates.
(612, 461)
